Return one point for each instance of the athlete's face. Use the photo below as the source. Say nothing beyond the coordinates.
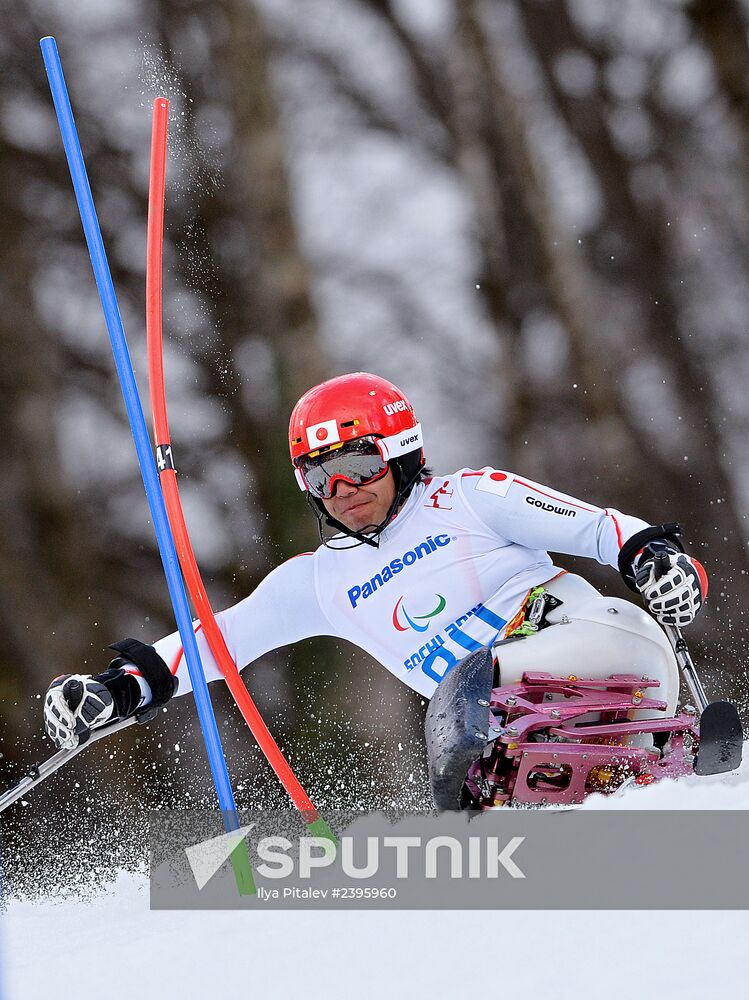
(362, 506)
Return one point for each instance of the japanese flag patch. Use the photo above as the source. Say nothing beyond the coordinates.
(322, 435)
(495, 482)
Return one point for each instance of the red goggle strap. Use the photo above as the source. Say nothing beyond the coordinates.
(333, 479)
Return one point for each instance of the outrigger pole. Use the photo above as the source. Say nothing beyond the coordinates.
(721, 732)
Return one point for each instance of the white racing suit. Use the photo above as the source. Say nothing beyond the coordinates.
(452, 573)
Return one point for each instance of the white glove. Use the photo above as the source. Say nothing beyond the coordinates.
(74, 705)
(672, 584)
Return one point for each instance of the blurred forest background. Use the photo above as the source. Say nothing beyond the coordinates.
(530, 214)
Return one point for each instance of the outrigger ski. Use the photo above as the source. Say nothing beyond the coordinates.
(721, 739)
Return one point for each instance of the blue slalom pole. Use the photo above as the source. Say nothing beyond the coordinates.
(138, 427)
(2, 911)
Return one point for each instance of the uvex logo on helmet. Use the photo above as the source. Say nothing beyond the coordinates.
(399, 406)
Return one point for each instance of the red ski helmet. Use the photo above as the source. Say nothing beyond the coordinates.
(350, 407)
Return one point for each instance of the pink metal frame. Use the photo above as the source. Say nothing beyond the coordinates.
(542, 702)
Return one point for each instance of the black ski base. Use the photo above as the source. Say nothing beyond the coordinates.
(721, 739)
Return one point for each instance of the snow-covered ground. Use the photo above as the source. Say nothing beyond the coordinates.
(112, 946)
(115, 949)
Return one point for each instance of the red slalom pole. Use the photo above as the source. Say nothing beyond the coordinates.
(170, 489)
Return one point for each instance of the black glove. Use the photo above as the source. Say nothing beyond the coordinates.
(77, 703)
(673, 585)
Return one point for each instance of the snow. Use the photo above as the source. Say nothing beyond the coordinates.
(95, 945)
(364, 955)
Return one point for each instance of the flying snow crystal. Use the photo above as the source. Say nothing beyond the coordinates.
(195, 160)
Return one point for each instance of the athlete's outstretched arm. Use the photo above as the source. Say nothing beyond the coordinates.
(519, 510)
(283, 609)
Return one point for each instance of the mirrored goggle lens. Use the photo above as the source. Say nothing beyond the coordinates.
(321, 474)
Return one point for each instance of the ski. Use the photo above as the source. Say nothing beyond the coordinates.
(721, 739)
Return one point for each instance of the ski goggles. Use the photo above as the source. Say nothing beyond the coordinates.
(358, 462)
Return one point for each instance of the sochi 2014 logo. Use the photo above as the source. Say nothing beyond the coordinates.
(411, 621)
